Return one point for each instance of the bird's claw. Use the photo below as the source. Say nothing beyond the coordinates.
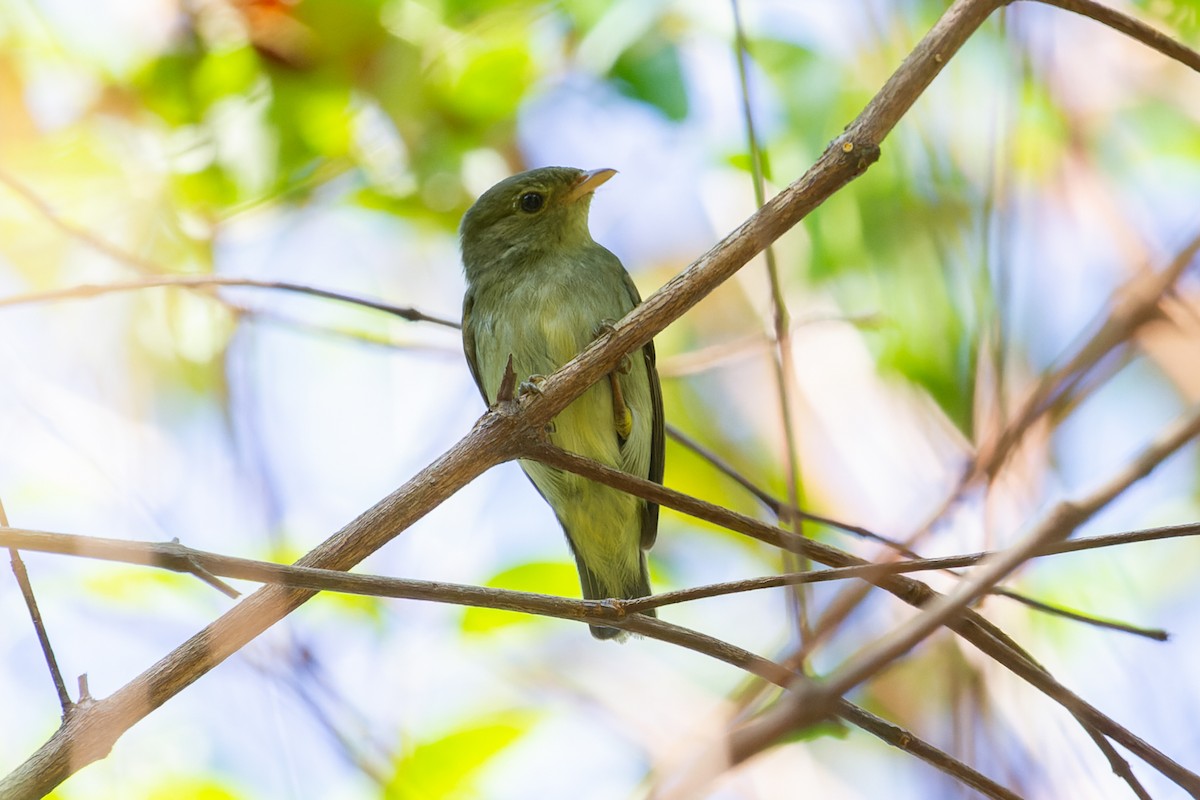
(607, 327)
(531, 385)
(604, 327)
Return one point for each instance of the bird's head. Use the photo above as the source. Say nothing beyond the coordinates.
(533, 213)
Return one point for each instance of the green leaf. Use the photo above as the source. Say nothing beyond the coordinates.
(458, 12)
(447, 768)
(490, 86)
(544, 577)
(222, 73)
(172, 788)
(165, 87)
(192, 788)
(826, 729)
(650, 71)
(206, 191)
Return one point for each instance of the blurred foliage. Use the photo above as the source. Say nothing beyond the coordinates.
(1181, 15)
(446, 768)
(243, 112)
(552, 578)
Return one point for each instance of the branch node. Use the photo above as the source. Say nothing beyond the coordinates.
(508, 382)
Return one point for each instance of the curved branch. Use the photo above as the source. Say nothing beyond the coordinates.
(1134, 28)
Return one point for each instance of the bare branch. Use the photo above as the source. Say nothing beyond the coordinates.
(85, 290)
(74, 231)
(783, 362)
(809, 705)
(178, 557)
(1134, 28)
(1157, 634)
(39, 627)
(172, 555)
(967, 623)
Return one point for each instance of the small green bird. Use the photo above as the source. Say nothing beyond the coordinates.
(540, 289)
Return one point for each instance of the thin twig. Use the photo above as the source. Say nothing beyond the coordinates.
(783, 363)
(777, 507)
(75, 231)
(809, 705)
(206, 281)
(173, 555)
(155, 276)
(1157, 634)
(39, 626)
(178, 557)
(968, 624)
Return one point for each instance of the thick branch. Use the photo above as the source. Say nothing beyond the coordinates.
(90, 732)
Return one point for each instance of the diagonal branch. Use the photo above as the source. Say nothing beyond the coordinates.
(39, 627)
(809, 705)
(967, 623)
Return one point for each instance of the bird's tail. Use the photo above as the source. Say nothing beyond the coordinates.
(593, 589)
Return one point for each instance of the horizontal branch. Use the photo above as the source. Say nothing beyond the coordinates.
(180, 558)
(85, 290)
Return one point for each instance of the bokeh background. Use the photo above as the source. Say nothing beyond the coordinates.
(337, 144)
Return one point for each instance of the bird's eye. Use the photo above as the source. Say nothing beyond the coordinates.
(532, 202)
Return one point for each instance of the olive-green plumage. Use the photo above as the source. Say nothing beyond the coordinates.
(541, 290)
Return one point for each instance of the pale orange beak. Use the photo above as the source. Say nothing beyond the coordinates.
(587, 183)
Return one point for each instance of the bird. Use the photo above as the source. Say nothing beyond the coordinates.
(540, 290)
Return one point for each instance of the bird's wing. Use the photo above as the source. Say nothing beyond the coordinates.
(468, 334)
(657, 441)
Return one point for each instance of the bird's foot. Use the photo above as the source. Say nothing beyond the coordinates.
(604, 327)
(531, 385)
(622, 415)
(607, 327)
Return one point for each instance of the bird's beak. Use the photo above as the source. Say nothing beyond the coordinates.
(587, 183)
